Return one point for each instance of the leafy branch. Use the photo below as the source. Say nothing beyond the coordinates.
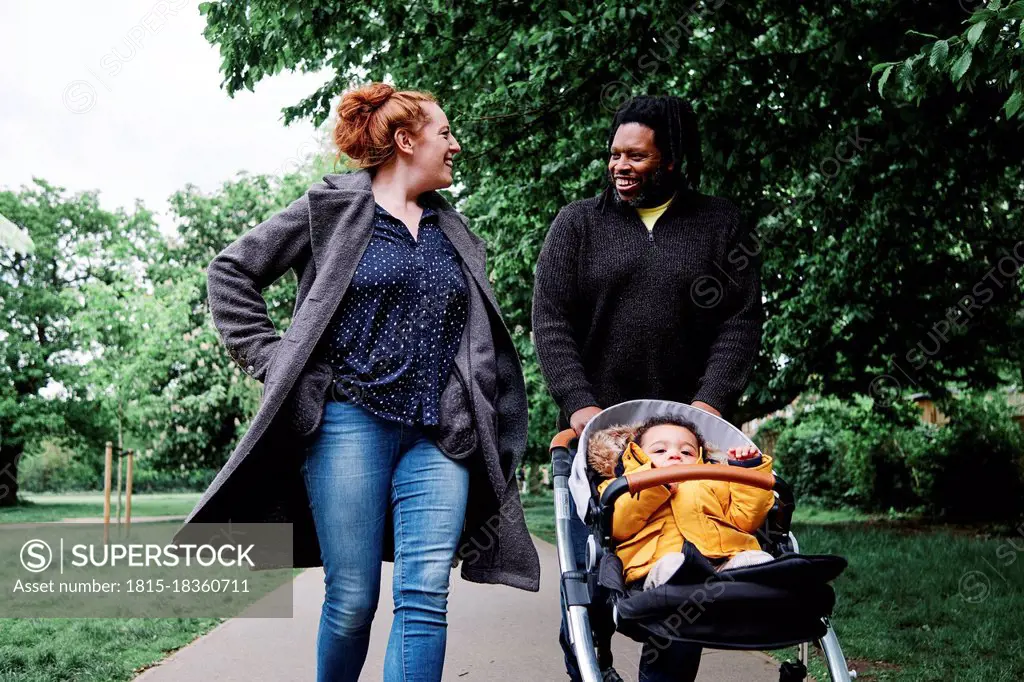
(989, 51)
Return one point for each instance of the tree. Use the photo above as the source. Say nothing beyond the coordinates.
(78, 245)
(875, 219)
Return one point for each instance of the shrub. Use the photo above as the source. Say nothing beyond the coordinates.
(543, 421)
(876, 458)
(975, 471)
(147, 480)
(850, 453)
(52, 467)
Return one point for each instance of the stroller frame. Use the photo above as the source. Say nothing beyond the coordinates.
(579, 583)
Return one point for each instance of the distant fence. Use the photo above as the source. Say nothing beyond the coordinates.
(930, 412)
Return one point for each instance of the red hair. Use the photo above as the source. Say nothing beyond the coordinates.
(368, 118)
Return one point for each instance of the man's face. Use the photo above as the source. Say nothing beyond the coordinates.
(635, 167)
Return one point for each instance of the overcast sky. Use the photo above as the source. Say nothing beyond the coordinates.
(123, 96)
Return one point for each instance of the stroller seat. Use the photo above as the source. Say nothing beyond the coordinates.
(781, 603)
(771, 605)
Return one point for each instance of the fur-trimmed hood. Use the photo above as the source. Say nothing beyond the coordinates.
(605, 448)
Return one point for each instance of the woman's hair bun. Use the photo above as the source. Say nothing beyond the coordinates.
(364, 101)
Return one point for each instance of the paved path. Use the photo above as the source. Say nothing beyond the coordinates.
(495, 633)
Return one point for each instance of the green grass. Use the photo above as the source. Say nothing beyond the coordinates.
(918, 603)
(40, 507)
(92, 649)
(540, 515)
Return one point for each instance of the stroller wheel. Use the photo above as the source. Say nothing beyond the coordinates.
(792, 672)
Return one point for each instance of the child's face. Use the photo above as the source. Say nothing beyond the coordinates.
(668, 444)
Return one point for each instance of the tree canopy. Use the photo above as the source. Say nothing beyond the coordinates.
(875, 217)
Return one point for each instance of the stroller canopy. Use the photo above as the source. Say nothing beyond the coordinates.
(719, 434)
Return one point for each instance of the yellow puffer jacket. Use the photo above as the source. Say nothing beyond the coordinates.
(716, 516)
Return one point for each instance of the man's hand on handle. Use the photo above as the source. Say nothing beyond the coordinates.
(580, 417)
(707, 408)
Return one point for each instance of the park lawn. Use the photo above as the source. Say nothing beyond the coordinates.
(41, 507)
(539, 509)
(917, 602)
(920, 604)
(92, 649)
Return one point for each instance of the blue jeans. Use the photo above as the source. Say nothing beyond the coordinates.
(677, 662)
(356, 467)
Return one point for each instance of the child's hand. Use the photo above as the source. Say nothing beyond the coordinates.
(744, 453)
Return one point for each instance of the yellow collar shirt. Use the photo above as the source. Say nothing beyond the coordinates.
(651, 215)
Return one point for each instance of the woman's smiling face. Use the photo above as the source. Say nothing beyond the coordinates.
(669, 444)
(435, 149)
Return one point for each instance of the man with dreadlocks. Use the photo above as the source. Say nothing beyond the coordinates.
(646, 291)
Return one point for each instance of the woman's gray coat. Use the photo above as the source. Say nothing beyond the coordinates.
(322, 236)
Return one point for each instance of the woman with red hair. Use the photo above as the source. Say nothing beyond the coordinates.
(398, 382)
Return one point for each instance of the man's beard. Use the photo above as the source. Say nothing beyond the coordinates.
(654, 190)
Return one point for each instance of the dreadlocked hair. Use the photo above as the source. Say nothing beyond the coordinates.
(675, 132)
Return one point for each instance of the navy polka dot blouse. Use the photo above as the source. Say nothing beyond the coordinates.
(393, 339)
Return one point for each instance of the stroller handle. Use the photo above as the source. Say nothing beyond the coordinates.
(562, 439)
(680, 473)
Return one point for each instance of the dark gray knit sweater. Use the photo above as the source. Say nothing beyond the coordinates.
(621, 314)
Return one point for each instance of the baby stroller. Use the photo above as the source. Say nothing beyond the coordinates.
(785, 602)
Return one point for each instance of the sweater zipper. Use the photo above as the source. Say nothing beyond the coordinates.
(650, 232)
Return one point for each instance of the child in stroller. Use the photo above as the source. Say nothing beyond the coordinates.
(782, 602)
(717, 517)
